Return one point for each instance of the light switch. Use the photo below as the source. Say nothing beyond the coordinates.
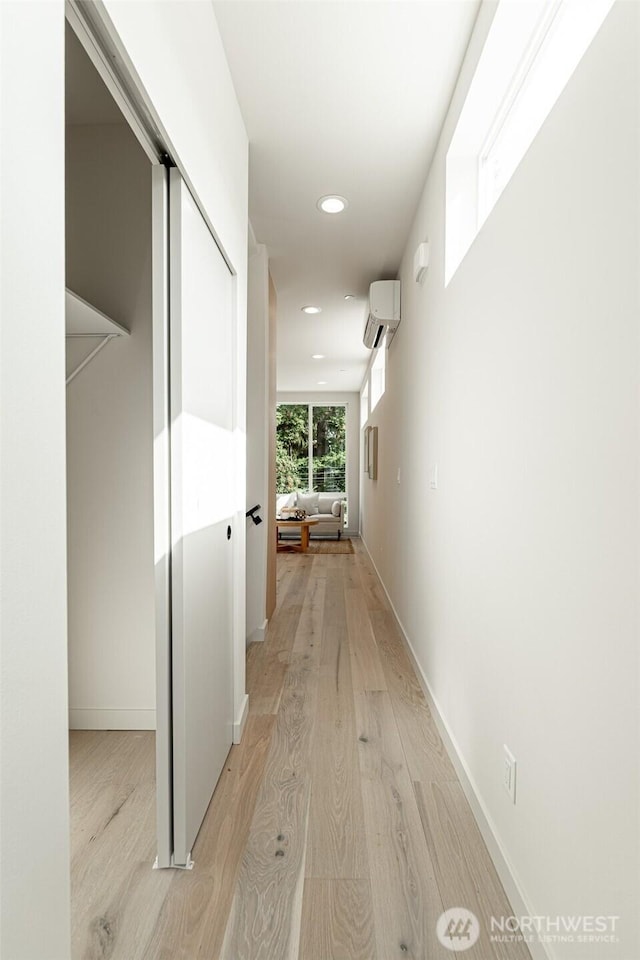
(434, 477)
(398, 475)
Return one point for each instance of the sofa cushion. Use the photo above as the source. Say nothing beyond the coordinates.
(325, 504)
(336, 508)
(308, 502)
(285, 500)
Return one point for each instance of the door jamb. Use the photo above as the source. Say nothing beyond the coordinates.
(162, 513)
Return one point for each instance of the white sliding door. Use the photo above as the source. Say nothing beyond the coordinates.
(202, 504)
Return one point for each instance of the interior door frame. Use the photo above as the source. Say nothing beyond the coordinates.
(93, 27)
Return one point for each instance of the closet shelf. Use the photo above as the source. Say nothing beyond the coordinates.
(82, 321)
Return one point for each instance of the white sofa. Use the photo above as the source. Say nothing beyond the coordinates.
(327, 508)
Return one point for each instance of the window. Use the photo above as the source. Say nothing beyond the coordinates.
(292, 447)
(311, 447)
(328, 456)
(364, 404)
(530, 53)
(378, 370)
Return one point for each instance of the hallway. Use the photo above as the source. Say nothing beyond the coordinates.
(338, 829)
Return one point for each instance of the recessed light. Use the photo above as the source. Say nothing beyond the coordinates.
(332, 204)
(349, 296)
(310, 309)
(318, 356)
(321, 383)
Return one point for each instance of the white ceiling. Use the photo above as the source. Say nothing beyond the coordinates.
(338, 97)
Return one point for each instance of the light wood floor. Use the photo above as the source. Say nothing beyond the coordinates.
(338, 830)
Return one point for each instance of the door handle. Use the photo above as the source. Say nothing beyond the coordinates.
(253, 513)
(229, 533)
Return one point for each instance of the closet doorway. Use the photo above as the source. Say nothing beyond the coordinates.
(150, 480)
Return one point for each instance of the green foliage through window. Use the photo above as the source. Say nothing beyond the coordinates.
(292, 447)
(325, 470)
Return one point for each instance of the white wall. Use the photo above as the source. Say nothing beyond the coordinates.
(516, 580)
(258, 422)
(110, 437)
(174, 48)
(34, 838)
(352, 401)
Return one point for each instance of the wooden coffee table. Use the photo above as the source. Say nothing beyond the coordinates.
(304, 525)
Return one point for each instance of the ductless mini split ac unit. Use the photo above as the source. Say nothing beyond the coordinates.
(384, 312)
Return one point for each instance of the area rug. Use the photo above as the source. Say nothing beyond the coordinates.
(320, 546)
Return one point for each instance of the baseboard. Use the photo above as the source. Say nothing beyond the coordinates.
(111, 719)
(239, 723)
(505, 870)
(258, 634)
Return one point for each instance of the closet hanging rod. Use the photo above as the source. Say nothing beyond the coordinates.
(88, 336)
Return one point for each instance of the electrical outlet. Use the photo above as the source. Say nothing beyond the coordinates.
(509, 773)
